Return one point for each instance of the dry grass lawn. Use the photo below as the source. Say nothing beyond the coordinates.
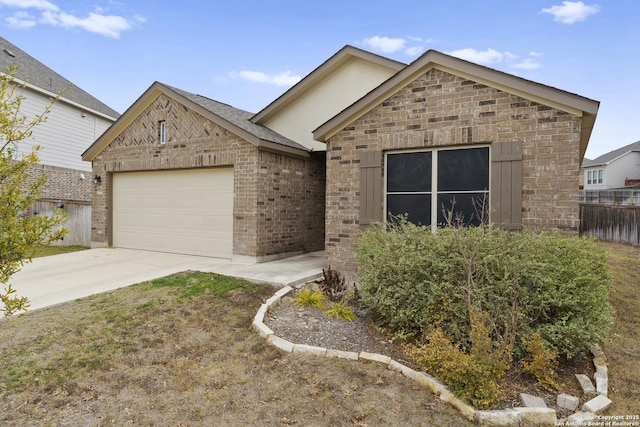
(623, 348)
(180, 351)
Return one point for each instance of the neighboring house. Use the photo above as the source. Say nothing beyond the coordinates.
(183, 173)
(227, 182)
(617, 168)
(75, 121)
(445, 129)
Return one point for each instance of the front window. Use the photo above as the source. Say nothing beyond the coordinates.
(426, 185)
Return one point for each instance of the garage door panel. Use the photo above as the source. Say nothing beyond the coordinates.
(188, 211)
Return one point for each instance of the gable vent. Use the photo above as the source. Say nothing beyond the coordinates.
(8, 52)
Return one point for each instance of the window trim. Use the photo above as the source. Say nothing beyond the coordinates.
(162, 131)
(434, 176)
(595, 176)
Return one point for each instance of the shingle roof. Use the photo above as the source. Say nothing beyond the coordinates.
(606, 158)
(37, 74)
(238, 117)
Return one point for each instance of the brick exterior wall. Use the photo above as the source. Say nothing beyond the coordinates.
(440, 109)
(271, 202)
(65, 184)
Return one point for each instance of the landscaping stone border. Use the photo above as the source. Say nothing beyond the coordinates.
(506, 417)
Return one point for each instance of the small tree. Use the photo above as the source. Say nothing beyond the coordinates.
(20, 186)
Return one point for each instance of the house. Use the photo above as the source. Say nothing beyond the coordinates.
(617, 168)
(445, 133)
(75, 121)
(183, 173)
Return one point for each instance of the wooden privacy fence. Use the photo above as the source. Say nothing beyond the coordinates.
(612, 215)
(78, 220)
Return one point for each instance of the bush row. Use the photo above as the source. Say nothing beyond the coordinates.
(526, 282)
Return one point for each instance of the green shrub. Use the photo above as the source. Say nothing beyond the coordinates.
(310, 298)
(525, 282)
(341, 310)
(541, 363)
(474, 376)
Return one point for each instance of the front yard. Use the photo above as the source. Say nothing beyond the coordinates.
(180, 351)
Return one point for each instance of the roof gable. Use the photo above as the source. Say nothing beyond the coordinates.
(233, 119)
(331, 65)
(547, 95)
(39, 77)
(611, 156)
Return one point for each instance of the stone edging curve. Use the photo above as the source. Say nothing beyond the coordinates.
(505, 417)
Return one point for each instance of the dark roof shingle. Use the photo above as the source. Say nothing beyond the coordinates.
(237, 117)
(611, 155)
(37, 74)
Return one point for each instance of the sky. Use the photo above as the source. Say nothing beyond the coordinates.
(246, 53)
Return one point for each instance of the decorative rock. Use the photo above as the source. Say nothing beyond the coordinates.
(580, 418)
(283, 291)
(602, 371)
(259, 317)
(428, 381)
(262, 329)
(282, 344)
(566, 401)
(406, 371)
(597, 351)
(507, 418)
(351, 355)
(597, 404)
(450, 398)
(309, 349)
(586, 384)
(374, 357)
(602, 385)
(530, 401)
(600, 365)
(538, 416)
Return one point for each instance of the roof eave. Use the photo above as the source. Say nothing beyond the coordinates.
(61, 98)
(150, 95)
(123, 121)
(258, 142)
(571, 103)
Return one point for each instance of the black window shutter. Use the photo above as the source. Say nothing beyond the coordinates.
(506, 185)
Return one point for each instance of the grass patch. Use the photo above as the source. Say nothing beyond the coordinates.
(195, 283)
(623, 346)
(42, 251)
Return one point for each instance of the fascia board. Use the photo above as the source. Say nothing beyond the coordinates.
(342, 57)
(556, 98)
(122, 123)
(61, 98)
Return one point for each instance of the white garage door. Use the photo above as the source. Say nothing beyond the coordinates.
(182, 211)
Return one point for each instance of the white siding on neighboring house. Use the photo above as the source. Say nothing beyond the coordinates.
(65, 135)
(615, 172)
(326, 99)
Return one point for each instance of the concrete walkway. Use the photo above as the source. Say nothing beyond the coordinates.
(60, 278)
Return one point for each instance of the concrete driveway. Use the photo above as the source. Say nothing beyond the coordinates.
(60, 278)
